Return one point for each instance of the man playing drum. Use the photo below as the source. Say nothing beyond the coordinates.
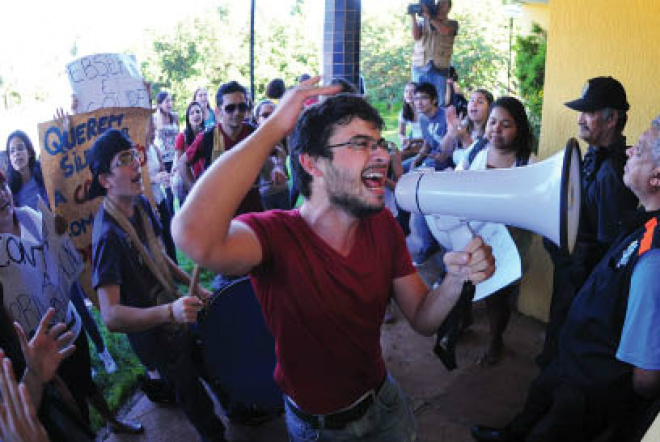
(134, 279)
(324, 273)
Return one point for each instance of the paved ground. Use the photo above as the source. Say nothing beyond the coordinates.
(445, 403)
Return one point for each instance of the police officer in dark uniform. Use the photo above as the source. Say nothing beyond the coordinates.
(605, 199)
(607, 366)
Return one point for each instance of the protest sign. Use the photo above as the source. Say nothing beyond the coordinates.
(37, 271)
(64, 150)
(107, 80)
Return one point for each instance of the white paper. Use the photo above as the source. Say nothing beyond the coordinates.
(454, 234)
(38, 275)
(107, 80)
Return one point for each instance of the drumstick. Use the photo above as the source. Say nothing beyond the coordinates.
(194, 280)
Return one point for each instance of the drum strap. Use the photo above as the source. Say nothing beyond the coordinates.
(155, 260)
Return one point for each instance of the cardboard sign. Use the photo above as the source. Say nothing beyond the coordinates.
(107, 80)
(66, 171)
(38, 274)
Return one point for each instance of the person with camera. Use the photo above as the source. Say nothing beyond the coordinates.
(434, 42)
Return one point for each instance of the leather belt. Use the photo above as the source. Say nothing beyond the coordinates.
(338, 420)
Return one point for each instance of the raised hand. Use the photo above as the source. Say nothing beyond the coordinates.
(18, 416)
(60, 114)
(48, 347)
(287, 112)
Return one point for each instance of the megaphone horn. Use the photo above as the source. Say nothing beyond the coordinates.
(543, 197)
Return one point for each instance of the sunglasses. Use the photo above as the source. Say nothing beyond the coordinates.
(127, 158)
(266, 114)
(231, 108)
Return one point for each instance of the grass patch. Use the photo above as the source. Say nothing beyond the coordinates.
(120, 385)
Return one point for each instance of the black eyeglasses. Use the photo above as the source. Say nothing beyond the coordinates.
(362, 143)
(231, 108)
(265, 115)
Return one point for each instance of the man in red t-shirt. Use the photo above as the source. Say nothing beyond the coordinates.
(324, 273)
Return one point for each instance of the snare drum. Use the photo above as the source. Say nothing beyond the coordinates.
(238, 352)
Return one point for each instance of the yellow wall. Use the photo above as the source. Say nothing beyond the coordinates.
(590, 38)
(538, 13)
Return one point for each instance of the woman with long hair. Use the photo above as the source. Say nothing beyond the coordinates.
(194, 126)
(26, 180)
(509, 144)
(166, 123)
(201, 96)
(76, 370)
(410, 138)
(462, 134)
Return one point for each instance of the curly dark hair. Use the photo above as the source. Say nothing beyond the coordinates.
(318, 123)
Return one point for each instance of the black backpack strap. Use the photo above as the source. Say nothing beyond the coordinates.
(478, 147)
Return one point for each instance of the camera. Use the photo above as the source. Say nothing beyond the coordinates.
(416, 8)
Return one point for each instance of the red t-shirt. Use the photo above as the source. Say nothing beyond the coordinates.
(326, 310)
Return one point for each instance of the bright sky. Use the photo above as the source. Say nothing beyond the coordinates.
(37, 36)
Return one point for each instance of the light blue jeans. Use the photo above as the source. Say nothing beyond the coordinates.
(430, 74)
(388, 419)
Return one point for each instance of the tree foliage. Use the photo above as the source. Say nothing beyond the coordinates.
(214, 48)
(530, 71)
(386, 51)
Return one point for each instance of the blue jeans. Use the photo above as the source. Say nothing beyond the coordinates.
(430, 74)
(388, 419)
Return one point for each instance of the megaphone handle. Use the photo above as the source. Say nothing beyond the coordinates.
(451, 327)
(461, 236)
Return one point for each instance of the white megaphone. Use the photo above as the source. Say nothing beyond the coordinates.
(542, 197)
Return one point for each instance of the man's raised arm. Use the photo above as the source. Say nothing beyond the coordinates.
(203, 229)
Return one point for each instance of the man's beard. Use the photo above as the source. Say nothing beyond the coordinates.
(340, 197)
(354, 206)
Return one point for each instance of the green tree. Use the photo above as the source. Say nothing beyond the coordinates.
(530, 71)
(214, 48)
(384, 51)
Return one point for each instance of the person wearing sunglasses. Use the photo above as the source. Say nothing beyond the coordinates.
(324, 273)
(135, 279)
(231, 110)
